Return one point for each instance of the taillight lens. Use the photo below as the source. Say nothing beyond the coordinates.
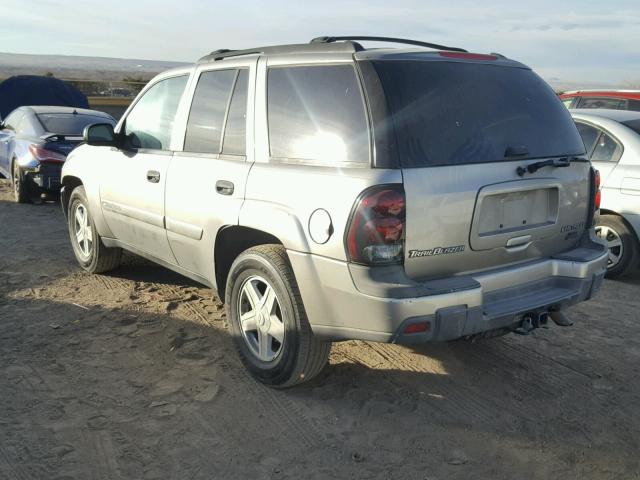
(598, 195)
(375, 235)
(44, 155)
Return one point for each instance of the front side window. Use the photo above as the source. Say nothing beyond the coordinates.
(593, 102)
(589, 135)
(568, 102)
(316, 115)
(208, 108)
(150, 122)
(607, 150)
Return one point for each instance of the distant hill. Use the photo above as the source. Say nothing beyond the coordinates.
(81, 68)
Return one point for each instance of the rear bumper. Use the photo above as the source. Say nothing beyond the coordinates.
(345, 301)
(46, 178)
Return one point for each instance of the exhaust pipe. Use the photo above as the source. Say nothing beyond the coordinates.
(560, 319)
(531, 321)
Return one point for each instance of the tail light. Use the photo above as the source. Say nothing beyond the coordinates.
(375, 235)
(598, 194)
(44, 155)
(595, 198)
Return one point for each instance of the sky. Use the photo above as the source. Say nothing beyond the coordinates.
(576, 41)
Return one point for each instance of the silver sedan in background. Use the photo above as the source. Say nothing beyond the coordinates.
(612, 141)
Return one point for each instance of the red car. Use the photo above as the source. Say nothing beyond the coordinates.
(612, 99)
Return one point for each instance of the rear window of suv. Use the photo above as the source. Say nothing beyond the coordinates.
(454, 113)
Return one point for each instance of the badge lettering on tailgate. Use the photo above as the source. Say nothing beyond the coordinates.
(436, 251)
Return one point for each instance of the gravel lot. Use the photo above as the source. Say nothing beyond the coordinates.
(133, 375)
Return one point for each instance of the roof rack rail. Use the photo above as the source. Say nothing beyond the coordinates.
(225, 53)
(317, 47)
(389, 40)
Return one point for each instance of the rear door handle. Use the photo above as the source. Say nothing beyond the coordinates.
(153, 176)
(224, 187)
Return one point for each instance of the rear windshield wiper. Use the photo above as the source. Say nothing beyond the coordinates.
(554, 162)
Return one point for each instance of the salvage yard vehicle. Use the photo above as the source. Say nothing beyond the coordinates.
(612, 141)
(331, 192)
(607, 99)
(35, 142)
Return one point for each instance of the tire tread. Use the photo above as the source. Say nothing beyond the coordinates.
(313, 354)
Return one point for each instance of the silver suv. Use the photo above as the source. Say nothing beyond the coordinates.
(332, 192)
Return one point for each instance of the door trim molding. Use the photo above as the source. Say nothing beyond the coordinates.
(131, 212)
(183, 228)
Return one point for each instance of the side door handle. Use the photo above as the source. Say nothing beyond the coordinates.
(153, 176)
(224, 187)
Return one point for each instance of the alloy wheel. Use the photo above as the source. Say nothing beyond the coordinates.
(261, 319)
(614, 244)
(82, 230)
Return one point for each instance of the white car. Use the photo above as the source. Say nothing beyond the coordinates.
(612, 141)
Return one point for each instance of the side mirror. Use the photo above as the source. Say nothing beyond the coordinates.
(100, 134)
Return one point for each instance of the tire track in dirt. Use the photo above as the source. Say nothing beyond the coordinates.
(10, 469)
(275, 405)
(465, 402)
(543, 373)
(282, 413)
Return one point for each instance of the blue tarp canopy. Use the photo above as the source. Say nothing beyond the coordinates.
(22, 90)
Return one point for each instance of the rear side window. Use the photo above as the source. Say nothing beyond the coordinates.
(589, 135)
(208, 109)
(316, 115)
(607, 150)
(68, 123)
(150, 122)
(454, 113)
(594, 102)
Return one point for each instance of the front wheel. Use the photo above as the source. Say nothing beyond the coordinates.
(88, 248)
(621, 243)
(268, 321)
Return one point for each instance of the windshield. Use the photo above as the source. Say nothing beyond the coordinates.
(68, 123)
(452, 113)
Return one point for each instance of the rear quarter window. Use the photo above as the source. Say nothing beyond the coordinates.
(316, 115)
(455, 113)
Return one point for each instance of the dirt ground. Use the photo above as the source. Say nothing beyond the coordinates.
(132, 375)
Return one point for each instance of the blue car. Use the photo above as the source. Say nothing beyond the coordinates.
(35, 142)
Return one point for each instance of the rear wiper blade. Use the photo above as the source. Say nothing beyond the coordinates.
(554, 162)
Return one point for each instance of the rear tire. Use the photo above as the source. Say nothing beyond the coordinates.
(273, 338)
(622, 245)
(20, 191)
(88, 248)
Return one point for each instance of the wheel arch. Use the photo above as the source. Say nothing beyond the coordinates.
(230, 242)
(69, 184)
(630, 226)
